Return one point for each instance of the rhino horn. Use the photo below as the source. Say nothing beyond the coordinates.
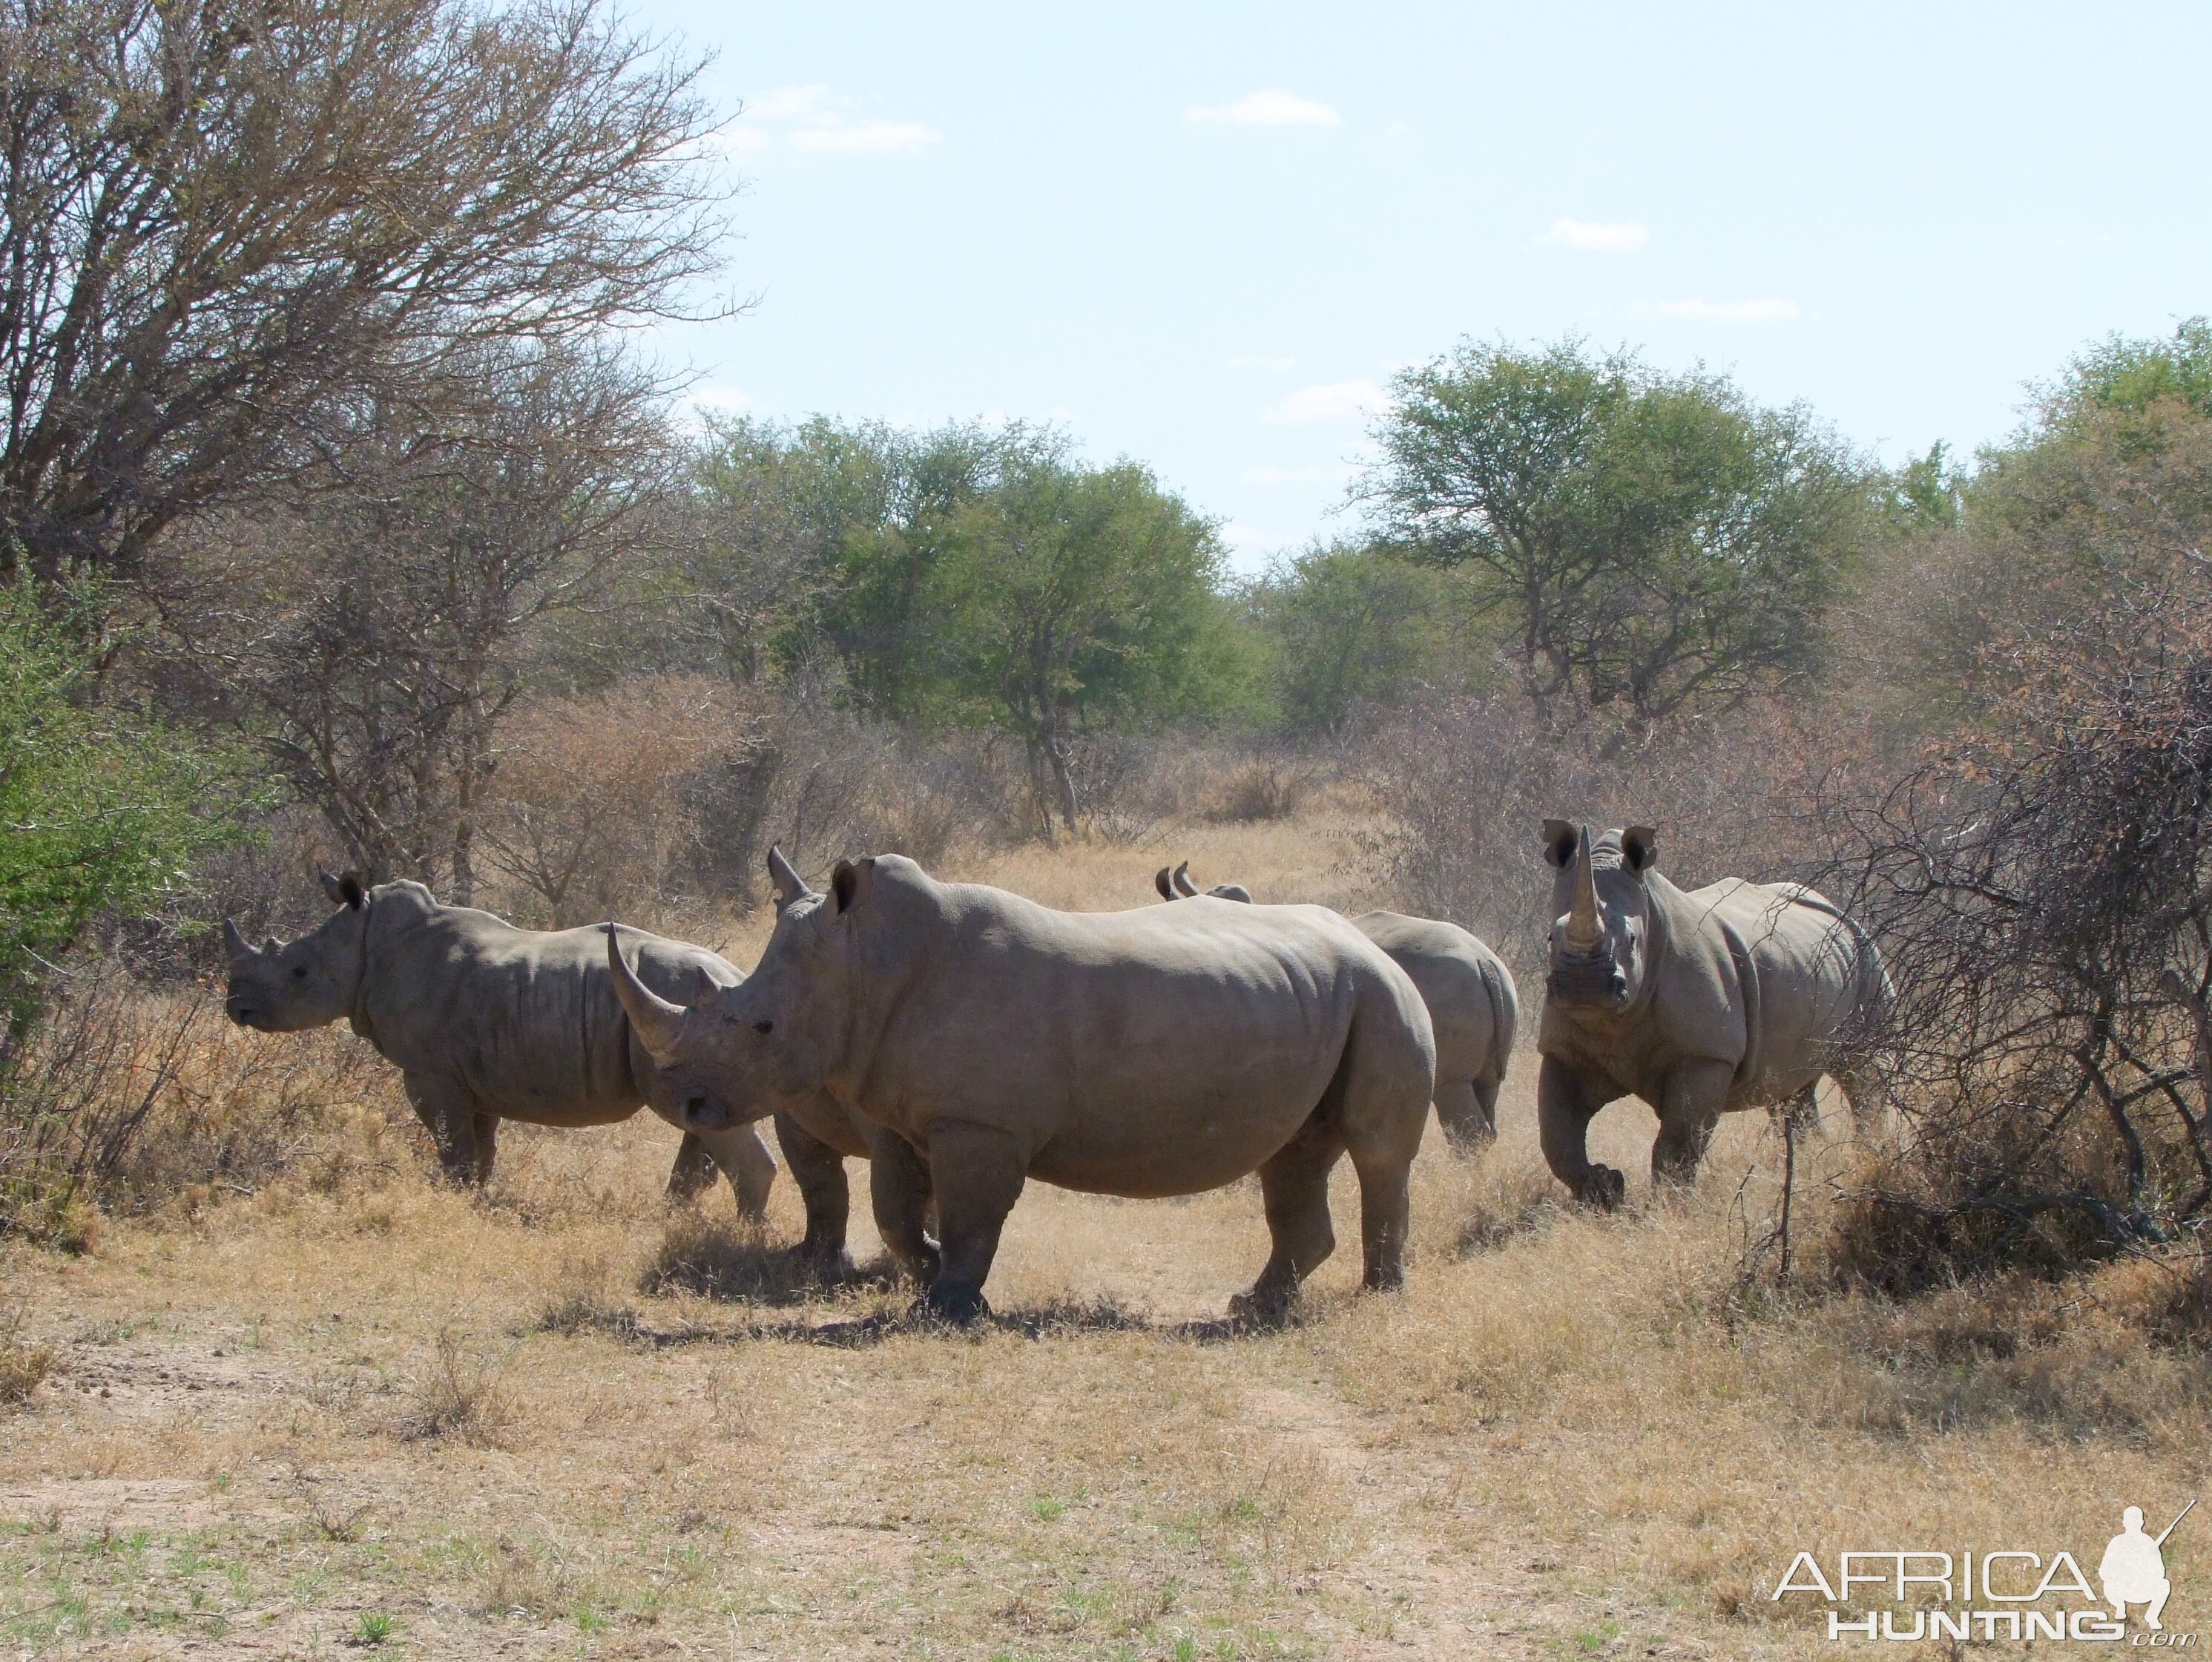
(657, 1022)
(1163, 884)
(789, 884)
(1585, 922)
(234, 943)
(1184, 886)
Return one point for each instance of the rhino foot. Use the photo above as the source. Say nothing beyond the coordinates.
(1261, 1309)
(1603, 1187)
(956, 1305)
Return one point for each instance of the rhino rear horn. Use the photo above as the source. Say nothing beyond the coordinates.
(789, 884)
(658, 1023)
(1585, 922)
(1184, 886)
(1162, 882)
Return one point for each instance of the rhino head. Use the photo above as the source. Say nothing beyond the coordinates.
(283, 988)
(1601, 915)
(1178, 886)
(683, 1091)
(777, 1034)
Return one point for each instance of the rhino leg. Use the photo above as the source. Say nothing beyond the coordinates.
(486, 1130)
(449, 1114)
(1486, 1097)
(819, 1172)
(899, 1191)
(1859, 1089)
(693, 1174)
(1690, 1106)
(1465, 1115)
(1294, 1186)
(1565, 1107)
(978, 1172)
(745, 1160)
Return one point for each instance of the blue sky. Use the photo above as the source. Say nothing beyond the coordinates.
(1203, 235)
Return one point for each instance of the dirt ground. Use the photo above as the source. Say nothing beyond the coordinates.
(355, 1413)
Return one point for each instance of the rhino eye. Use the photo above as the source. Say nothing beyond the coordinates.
(763, 1026)
(299, 972)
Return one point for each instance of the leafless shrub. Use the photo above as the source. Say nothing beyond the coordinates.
(1463, 784)
(129, 1098)
(2042, 890)
(589, 821)
(1261, 790)
(459, 1397)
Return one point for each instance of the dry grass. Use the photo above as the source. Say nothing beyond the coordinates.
(1571, 1435)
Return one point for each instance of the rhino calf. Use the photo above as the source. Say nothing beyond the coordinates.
(1470, 997)
(487, 1022)
(1735, 995)
(1149, 1053)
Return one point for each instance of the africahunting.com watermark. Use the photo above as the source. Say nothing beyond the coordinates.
(2008, 1594)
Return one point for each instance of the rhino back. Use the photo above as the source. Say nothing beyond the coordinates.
(1140, 1052)
(527, 1021)
(1450, 969)
(1800, 968)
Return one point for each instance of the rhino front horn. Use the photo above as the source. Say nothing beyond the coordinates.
(658, 1023)
(1585, 923)
(234, 943)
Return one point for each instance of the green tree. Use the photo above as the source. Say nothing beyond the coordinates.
(1076, 598)
(2133, 376)
(1349, 625)
(102, 810)
(1659, 542)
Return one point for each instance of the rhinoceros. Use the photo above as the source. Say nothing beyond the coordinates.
(1162, 1051)
(1735, 995)
(1472, 1003)
(487, 1022)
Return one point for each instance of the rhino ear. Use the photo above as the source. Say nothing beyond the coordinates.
(1640, 846)
(1559, 841)
(1160, 881)
(850, 882)
(331, 886)
(789, 885)
(352, 891)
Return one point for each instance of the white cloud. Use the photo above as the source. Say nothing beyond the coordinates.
(1272, 108)
(1274, 365)
(1591, 236)
(1342, 400)
(812, 118)
(1720, 311)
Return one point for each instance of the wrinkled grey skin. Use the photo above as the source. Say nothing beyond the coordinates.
(1470, 997)
(488, 1022)
(1162, 1051)
(1735, 995)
